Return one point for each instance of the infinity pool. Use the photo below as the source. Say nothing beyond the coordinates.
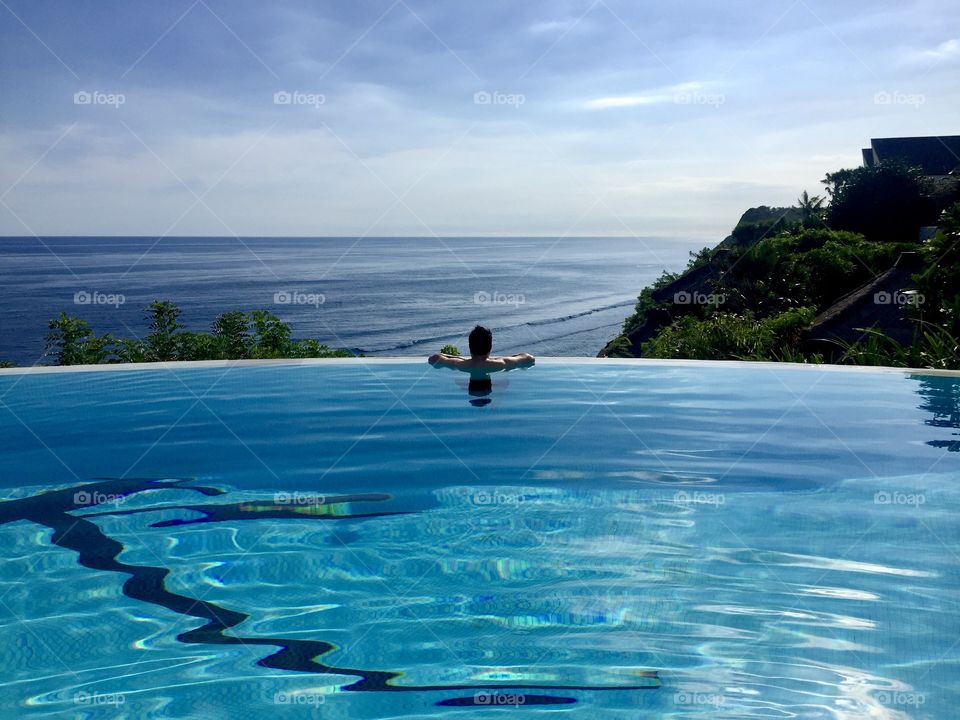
(367, 540)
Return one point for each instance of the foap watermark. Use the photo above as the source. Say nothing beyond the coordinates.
(697, 497)
(698, 298)
(483, 497)
(296, 97)
(83, 497)
(700, 98)
(482, 297)
(95, 297)
(895, 497)
(885, 97)
(495, 97)
(501, 699)
(298, 498)
(900, 297)
(298, 698)
(294, 297)
(687, 697)
(82, 697)
(894, 698)
(95, 97)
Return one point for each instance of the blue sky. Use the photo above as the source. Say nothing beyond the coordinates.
(406, 117)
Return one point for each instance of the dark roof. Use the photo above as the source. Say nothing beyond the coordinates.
(936, 155)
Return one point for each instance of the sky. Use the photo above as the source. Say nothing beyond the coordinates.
(416, 118)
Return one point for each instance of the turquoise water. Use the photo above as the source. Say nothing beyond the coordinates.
(358, 540)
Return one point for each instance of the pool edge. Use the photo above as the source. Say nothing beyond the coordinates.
(413, 360)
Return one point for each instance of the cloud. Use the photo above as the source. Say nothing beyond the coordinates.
(672, 94)
(947, 50)
(619, 101)
(546, 27)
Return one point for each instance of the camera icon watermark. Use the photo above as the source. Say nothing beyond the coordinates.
(683, 497)
(482, 497)
(82, 697)
(900, 297)
(482, 297)
(699, 98)
(686, 697)
(95, 97)
(495, 97)
(298, 498)
(698, 298)
(293, 297)
(85, 297)
(894, 698)
(895, 497)
(86, 498)
(885, 97)
(298, 698)
(296, 97)
(499, 699)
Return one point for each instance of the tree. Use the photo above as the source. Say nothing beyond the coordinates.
(72, 342)
(271, 336)
(939, 283)
(886, 202)
(811, 209)
(161, 344)
(232, 331)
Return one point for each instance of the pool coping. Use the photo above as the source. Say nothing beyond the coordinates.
(417, 360)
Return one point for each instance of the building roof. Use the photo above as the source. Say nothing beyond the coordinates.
(935, 155)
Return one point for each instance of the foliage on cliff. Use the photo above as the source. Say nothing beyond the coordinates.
(753, 295)
(234, 336)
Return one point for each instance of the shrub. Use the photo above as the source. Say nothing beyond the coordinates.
(71, 341)
(728, 336)
(886, 203)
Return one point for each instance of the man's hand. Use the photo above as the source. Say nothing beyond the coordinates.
(520, 360)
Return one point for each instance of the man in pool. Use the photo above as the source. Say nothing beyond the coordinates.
(480, 363)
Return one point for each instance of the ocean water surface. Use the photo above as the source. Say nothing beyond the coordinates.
(380, 296)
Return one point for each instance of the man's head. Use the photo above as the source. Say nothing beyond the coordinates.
(481, 341)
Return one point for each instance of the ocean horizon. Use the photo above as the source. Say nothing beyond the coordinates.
(403, 295)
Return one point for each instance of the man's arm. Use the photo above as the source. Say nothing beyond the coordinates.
(441, 360)
(521, 360)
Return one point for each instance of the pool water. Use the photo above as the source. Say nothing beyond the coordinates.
(368, 540)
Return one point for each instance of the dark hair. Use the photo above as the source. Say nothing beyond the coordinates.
(481, 341)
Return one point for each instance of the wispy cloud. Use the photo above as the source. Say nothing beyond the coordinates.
(678, 93)
(947, 50)
(549, 27)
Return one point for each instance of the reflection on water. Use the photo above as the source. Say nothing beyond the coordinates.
(941, 398)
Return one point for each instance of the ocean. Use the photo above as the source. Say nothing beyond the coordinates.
(378, 296)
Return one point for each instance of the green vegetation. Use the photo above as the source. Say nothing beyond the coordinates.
(727, 336)
(932, 347)
(234, 336)
(450, 350)
(885, 203)
(755, 294)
